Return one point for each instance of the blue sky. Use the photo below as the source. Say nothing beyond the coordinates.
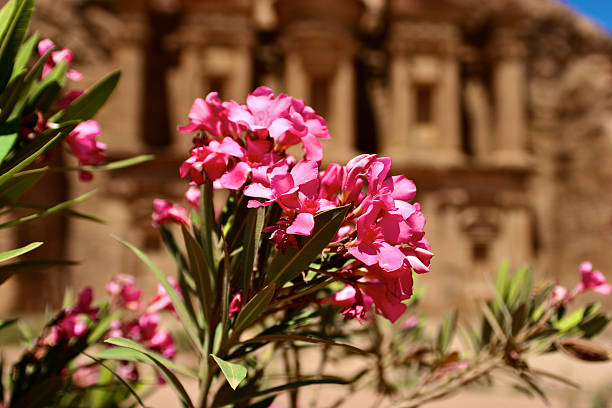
(598, 10)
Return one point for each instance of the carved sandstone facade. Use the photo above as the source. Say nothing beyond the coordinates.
(499, 110)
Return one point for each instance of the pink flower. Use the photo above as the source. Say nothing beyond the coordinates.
(592, 280)
(128, 371)
(86, 376)
(559, 295)
(410, 322)
(162, 300)
(165, 212)
(55, 58)
(214, 161)
(84, 145)
(123, 291)
(163, 342)
(355, 303)
(192, 196)
(235, 305)
(282, 186)
(264, 114)
(210, 115)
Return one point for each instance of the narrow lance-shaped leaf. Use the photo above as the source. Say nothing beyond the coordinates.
(5, 256)
(6, 144)
(234, 373)
(287, 266)
(18, 26)
(186, 319)
(130, 350)
(253, 309)
(47, 212)
(88, 104)
(11, 95)
(166, 372)
(116, 165)
(47, 91)
(19, 184)
(24, 54)
(200, 272)
(252, 239)
(27, 156)
(6, 271)
(242, 396)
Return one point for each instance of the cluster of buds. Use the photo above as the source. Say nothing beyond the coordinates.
(592, 280)
(244, 148)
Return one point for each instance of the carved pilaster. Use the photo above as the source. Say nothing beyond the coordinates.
(424, 92)
(318, 38)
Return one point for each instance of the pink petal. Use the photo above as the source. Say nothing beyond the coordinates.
(302, 225)
(304, 172)
(258, 190)
(312, 148)
(365, 254)
(236, 178)
(390, 258)
(401, 187)
(45, 45)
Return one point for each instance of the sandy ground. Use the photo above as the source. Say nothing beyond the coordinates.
(593, 378)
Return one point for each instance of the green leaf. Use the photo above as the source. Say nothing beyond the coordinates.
(252, 239)
(116, 165)
(47, 212)
(6, 271)
(19, 23)
(201, 274)
(34, 150)
(307, 339)
(4, 256)
(234, 373)
(24, 54)
(47, 91)
(5, 14)
(287, 266)
(179, 306)
(11, 95)
(520, 288)
(101, 328)
(254, 308)
(160, 363)
(241, 396)
(19, 184)
(102, 395)
(88, 104)
(7, 323)
(123, 352)
(447, 332)
(6, 144)
(571, 321)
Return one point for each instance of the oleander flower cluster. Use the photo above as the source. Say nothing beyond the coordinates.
(139, 321)
(244, 149)
(82, 142)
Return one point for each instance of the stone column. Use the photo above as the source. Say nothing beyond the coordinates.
(424, 54)
(342, 113)
(509, 82)
(401, 104)
(127, 97)
(449, 121)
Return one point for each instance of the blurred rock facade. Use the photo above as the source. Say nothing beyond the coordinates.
(499, 110)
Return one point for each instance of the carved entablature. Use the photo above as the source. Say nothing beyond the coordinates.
(411, 37)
